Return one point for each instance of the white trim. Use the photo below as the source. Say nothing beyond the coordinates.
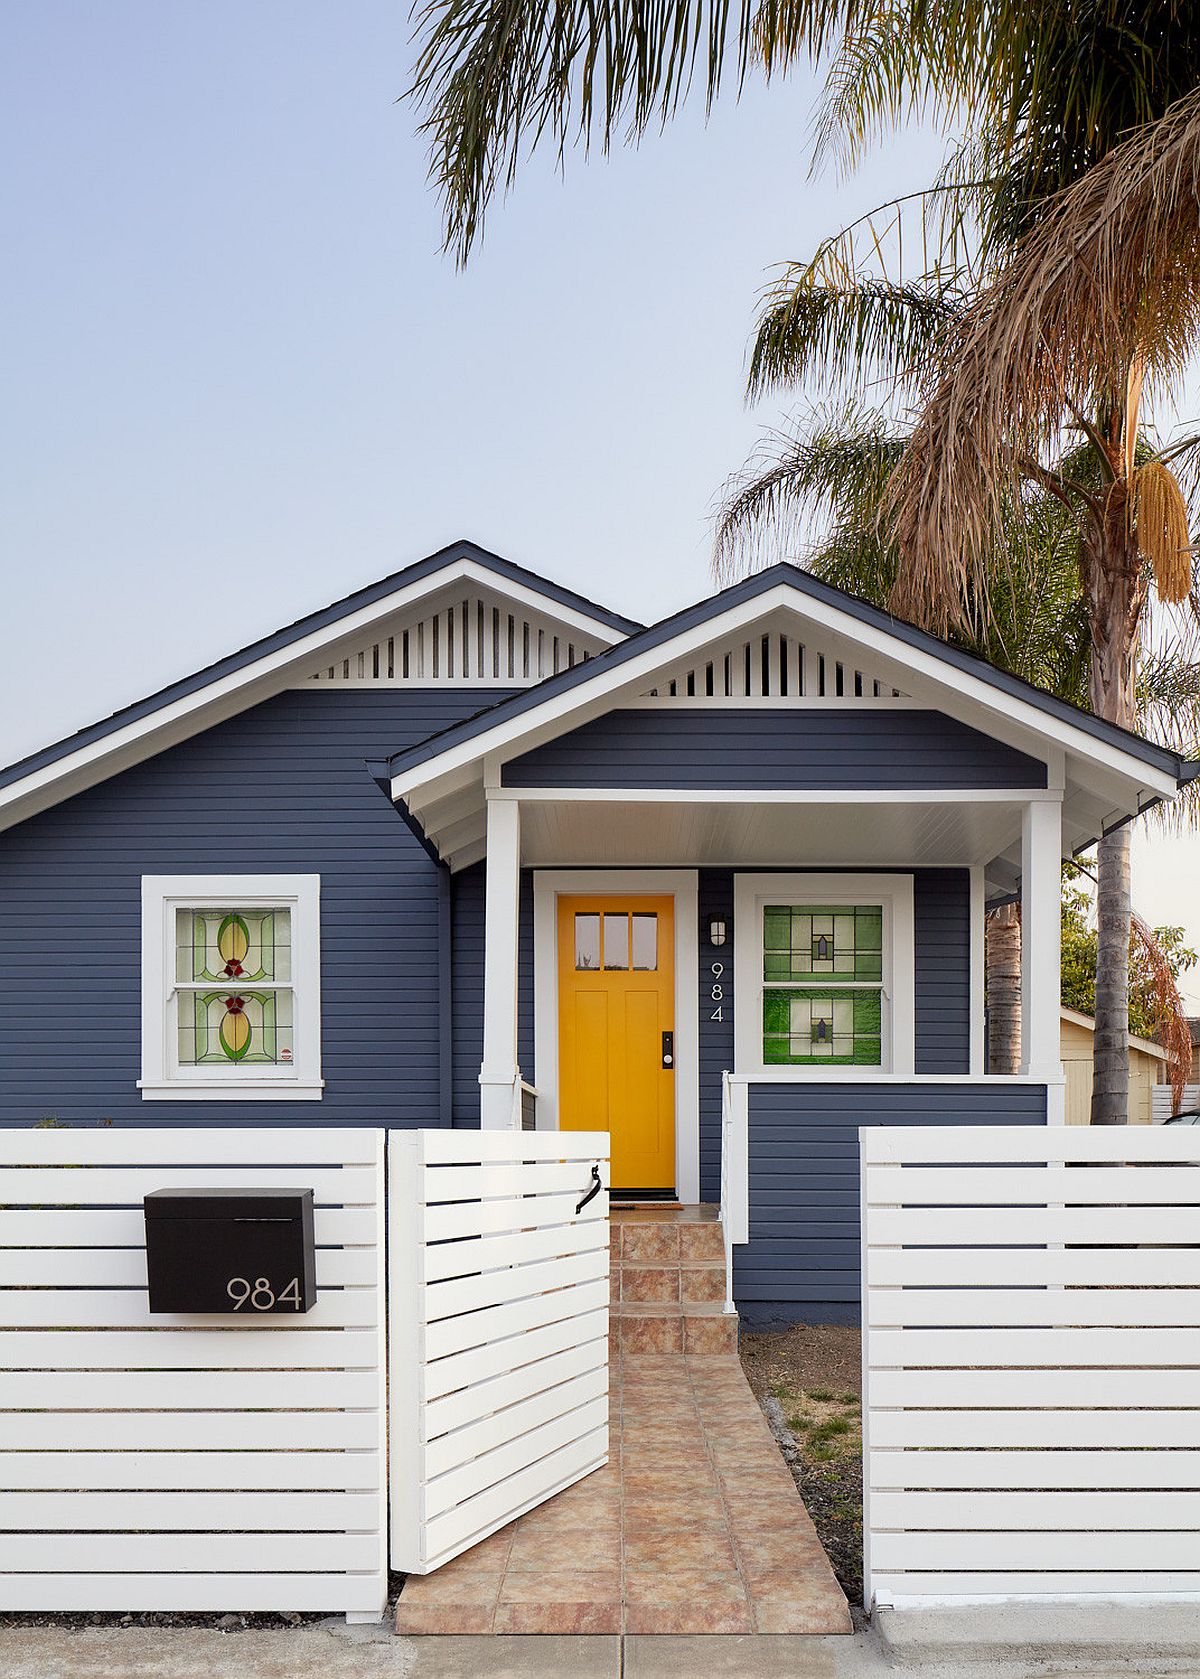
(227, 695)
(1041, 924)
(499, 1076)
(773, 795)
(162, 1078)
(786, 1075)
(683, 885)
(895, 893)
(596, 693)
(773, 702)
(977, 1058)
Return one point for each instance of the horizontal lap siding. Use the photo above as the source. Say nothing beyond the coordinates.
(942, 969)
(466, 943)
(802, 1260)
(281, 789)
(761, 750)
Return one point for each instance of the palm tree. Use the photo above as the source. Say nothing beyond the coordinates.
(1046, 86)
(1036, 623)
(1100, 300)
(1044, 114)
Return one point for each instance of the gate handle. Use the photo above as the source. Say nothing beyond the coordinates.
(593, 1190)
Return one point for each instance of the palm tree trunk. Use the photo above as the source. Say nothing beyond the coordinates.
(1004, 989)
(1116, 595)
(1110, 1048)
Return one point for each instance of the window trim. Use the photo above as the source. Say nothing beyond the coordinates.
(163, 1079)
(751, 892)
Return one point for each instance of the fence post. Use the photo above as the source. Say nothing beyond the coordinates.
(406, 1348)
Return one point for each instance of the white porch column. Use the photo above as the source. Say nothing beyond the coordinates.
(498, 1110)
(1041, 865)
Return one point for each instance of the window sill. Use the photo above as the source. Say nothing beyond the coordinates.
(218, 1090)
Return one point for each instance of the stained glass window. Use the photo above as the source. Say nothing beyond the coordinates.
(233, 972)
(823, 985)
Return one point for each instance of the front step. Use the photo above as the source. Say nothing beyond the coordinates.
(667, 1283)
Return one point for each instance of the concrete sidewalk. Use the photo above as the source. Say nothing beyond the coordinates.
(1102, 1642)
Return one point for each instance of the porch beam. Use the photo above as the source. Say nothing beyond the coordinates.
(498, 1106)
(1041, 864)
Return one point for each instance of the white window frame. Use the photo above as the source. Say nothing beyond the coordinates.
(163, 1079)
(751, 892)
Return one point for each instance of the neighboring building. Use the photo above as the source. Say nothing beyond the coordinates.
(466, 848)
(1147, 1067)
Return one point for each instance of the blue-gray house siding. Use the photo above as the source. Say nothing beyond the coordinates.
(283, 788)
(752, 750)
(467, 899)
(801, 1263)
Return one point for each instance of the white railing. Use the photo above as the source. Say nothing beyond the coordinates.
(498, 1300)
(735, 1173)
(198, 1462)
(1031, 1378)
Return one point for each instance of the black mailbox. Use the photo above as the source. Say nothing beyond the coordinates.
(230, 1250)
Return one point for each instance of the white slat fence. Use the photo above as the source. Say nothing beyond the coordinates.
(198, 1462)
(1031, 1362)
(498, 1328)
(1162, 1104)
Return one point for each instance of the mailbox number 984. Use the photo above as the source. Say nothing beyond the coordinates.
(260, 1295)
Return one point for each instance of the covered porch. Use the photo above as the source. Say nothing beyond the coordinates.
(802, 809)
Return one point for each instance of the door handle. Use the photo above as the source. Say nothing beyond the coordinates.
(668, 1050)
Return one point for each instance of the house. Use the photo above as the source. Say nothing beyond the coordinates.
(467, 849)
(1147, 1067)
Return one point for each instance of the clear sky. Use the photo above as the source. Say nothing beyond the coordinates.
(239, 379)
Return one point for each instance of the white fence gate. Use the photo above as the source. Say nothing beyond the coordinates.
(187, 1462)
(1031, 1362)
(498, 1295)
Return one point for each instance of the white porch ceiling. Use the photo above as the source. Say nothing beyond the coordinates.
(744, 833)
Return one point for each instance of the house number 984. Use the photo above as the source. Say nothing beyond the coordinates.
(260, 1295)
(718, 991)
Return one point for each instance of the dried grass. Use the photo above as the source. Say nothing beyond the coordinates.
(1108, 279)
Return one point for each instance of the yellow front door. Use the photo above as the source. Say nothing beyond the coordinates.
(616, 1028)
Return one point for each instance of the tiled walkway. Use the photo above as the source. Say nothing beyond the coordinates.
(695, 1526)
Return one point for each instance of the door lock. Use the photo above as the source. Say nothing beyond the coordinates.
(668, 1049)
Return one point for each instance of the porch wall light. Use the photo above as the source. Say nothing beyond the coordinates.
(716, 931)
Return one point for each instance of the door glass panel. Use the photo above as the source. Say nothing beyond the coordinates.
(587, 941)
(645, 942)
(616, 941)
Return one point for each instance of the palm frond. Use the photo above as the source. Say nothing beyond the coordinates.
(835, 465)
(1109, 276)
(495, 79)
(1161, 1000)
(824, 323)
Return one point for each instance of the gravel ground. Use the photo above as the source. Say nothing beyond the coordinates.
(814, 1371)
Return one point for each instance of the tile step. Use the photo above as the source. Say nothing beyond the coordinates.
(666, 1309)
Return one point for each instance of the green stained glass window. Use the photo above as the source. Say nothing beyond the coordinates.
(233, 972)
(823, 985)
(821, 942)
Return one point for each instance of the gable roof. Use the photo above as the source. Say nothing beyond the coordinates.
(234, 682)
(659, 636)
(1107, 774)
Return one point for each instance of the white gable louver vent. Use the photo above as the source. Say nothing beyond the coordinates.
(772, 665)
(470, 642)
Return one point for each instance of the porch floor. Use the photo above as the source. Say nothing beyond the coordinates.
(694, 1525)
